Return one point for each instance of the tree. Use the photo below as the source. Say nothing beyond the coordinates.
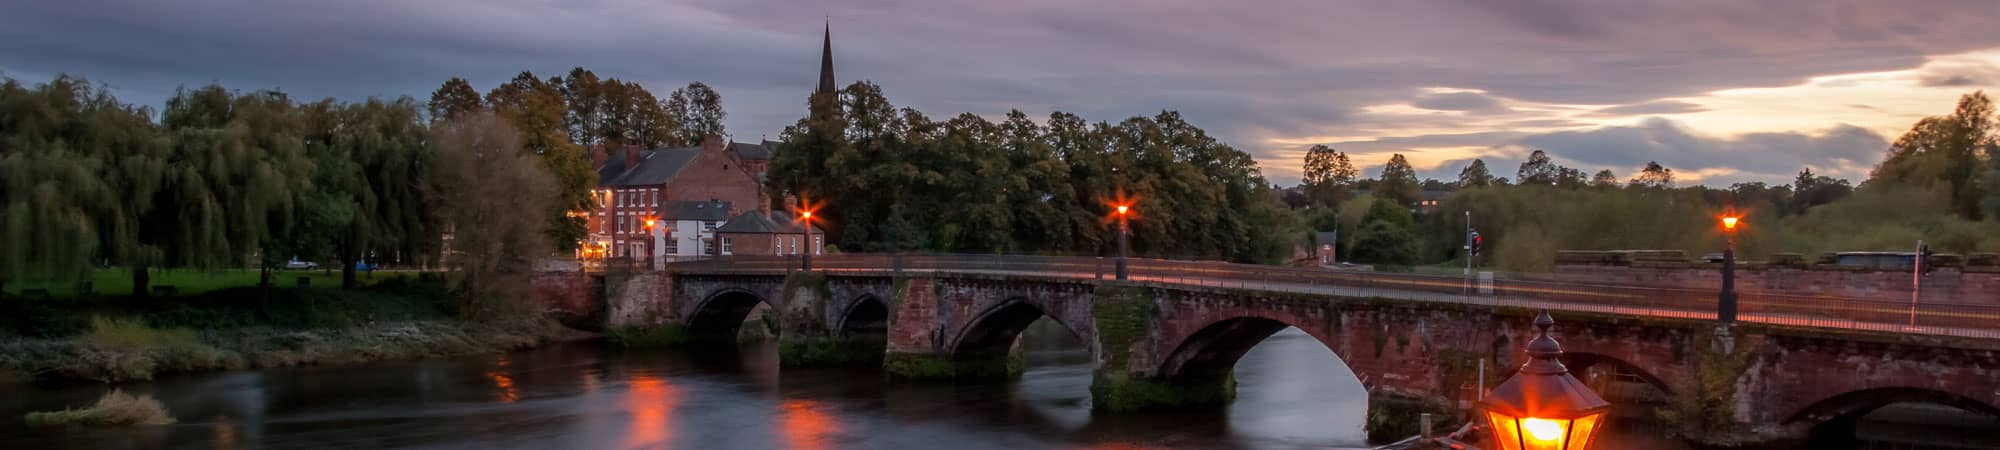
(481, 181)
(1946, 150)
(1329, 175)
(1475, 175)
(1568, 178)
(1386, 235)
(1398, 182)
(1604, 179)
(1654, 176)
(1538, 170)
(535, 108)
(233, 166)
(1810, 190)
(77, 170)
(697, 110)
(455, 97)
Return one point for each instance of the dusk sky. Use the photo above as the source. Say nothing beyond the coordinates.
(1720, 91)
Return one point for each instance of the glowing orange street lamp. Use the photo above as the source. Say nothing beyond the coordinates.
(1543, 407)
(1123, 230)
(806, 217)
(1725, 308)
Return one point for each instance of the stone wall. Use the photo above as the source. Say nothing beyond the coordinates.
(1977, 285)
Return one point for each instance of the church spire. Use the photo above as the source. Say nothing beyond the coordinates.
(826, 63)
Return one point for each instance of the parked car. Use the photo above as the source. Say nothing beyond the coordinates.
(296, 264)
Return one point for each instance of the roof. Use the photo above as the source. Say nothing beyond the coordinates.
(711, 210)
(778, 222)
(1326, 237)
(751, 152)
(655, 166)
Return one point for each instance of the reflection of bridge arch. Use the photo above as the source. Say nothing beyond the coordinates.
(992, 333)
(1859, 403)
(722, 312)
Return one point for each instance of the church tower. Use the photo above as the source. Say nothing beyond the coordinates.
(826, 85)
(825, 101)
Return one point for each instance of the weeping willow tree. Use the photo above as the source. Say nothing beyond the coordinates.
(75, 167)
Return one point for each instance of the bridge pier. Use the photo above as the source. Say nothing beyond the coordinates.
(808, 334)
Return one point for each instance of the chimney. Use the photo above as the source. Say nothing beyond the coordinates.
(631, 155)
(712, 143)
(597, 156)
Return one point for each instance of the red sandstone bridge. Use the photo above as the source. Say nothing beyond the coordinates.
(1895, 315)
(1171, 335)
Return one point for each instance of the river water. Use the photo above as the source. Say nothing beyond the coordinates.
(1292, 394)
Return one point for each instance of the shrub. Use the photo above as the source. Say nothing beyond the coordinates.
(115, 408)
(132, 334)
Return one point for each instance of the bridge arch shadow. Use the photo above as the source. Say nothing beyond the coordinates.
(1616, 379)
(1833, 420)
(993, 333)
(866, 317)
(1290, 389)
(721, 315)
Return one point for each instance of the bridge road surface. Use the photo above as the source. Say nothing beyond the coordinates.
(1232, 277)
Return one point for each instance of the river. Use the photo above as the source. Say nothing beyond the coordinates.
(1292, 394)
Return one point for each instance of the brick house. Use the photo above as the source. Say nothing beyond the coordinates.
(774, 233)
(636, 186)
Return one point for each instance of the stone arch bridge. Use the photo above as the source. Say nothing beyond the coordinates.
(1165, 343)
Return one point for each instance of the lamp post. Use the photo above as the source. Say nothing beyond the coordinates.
(1543, 407)
(1123, 211)
(806, 259)
(1725, 310)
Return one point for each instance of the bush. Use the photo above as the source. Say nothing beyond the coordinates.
(132, 334)
(115, 408)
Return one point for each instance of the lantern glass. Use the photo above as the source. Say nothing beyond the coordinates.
(1535, 433)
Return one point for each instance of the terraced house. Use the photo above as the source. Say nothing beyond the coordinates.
(659, 204)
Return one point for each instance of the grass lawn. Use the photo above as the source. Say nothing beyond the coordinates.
(118, 281)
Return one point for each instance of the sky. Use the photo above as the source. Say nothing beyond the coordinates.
(1721, 91)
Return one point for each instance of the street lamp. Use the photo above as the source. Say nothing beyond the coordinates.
(1543, 407)
(1123, 212)
(1725, 310)
(806, 216)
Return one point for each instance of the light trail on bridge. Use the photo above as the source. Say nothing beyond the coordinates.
(1974, 321)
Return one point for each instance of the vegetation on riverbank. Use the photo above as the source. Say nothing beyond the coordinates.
(115, 340)
(115, 408)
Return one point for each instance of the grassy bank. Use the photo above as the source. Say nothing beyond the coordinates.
(120, 339)
(115, 408)
(117, 282)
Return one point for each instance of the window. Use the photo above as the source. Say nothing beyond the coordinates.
(671, 247)
(777, 247)
(727, 248)
(708, 225)
(707, 249)
(795, 245)
(815, 244)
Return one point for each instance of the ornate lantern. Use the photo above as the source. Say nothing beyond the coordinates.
(1543, 407)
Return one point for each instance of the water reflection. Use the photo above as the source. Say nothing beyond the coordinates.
(1292, 393)
(651, 402)
(805, 426)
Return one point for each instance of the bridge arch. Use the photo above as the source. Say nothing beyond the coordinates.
(1211, 352)
(866, 316)
(1579, 363)
(992, 332)
(722, 312)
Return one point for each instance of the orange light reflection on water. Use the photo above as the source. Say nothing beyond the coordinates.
(652, 402)
(503, 382)
(804, 426)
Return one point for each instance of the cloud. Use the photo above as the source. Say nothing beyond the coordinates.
(1651, 108)
(1460, 101)
(1843, 150)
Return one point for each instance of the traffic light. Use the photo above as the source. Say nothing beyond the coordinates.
(1476, 243)
(1924, 258)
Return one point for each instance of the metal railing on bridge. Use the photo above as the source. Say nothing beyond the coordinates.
(1980, 321)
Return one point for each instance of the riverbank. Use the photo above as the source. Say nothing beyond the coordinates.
(125, 339)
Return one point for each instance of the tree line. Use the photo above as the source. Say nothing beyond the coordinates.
(222, 179)
(895, 179)
(1939, 182)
